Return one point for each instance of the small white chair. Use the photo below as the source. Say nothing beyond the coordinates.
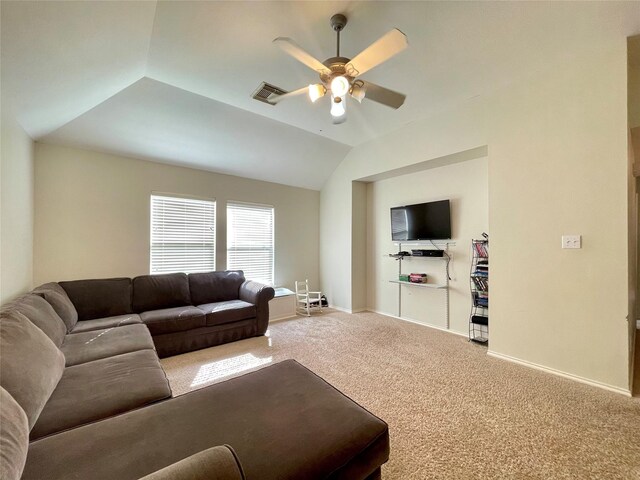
(306, 300)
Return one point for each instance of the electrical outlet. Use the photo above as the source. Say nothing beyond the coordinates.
(571, 241)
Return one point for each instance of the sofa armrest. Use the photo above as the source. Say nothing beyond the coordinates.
(216, 463)
(259, 295)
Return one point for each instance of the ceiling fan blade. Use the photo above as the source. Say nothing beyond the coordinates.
(284, 96)
(293, 49)
(382, 95)
(378, 52)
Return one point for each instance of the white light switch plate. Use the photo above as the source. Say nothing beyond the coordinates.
(571, 241)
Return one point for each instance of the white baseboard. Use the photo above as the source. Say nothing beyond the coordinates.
(272, 320)
(340, 309)
(560, 373)
(435, 327)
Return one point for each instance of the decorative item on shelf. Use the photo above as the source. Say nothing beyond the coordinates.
(479, 282)
(403, 278)
(418, 278)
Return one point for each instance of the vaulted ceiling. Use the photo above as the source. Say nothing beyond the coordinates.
(172, 81)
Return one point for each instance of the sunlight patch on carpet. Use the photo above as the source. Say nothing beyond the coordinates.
(213, 371)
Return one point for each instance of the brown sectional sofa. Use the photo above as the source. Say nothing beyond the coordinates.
(64, 382)
(83, 394)
(182, 312)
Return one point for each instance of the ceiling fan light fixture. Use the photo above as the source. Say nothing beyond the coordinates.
(340, 75)
(339, 86)
(358, 91)
(337, 107)
(316, 91)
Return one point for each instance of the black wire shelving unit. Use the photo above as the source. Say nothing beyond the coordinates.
(479, 281)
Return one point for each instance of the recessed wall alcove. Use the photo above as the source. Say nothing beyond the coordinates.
(461, 177)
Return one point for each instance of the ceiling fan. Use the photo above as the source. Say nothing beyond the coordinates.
(340, 75)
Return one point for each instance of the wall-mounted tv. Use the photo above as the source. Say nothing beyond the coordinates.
(423, 221)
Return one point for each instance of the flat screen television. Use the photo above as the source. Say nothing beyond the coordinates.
(423, 221)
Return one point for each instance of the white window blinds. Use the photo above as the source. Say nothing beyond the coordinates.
(183, 235)
(250, 240)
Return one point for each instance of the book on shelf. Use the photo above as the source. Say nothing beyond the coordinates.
(481, 302)
(482, 248)
(480, 320)
(481, 284)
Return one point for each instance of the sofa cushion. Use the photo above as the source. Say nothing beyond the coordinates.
(42, 314)
(154, 292)
(59, 300)
(226, 312)
(109, 322)
(215, 463)
(88, 346)
(102, 388)
(170, 320)
(213, 287)
(30, 363)
(14, 437)
(283, 421)
(100, 298)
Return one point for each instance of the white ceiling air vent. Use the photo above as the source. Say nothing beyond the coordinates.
(266, 92)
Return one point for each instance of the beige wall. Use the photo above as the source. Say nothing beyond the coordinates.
(634, 94)
(335, 239)
(633, 105)
(359, 235)
(557, 165)
(465, 185)
(16, 211)
(93, 212)
(633, 255)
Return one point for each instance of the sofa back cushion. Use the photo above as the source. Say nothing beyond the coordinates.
(30, 363)
(153, 292)
(59, 300)
(100, 298)
(213, 287)
(14, 437)
(42, 315)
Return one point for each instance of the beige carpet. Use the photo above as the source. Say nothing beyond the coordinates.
(453, 412)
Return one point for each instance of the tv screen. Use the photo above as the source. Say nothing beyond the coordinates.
(423, 221)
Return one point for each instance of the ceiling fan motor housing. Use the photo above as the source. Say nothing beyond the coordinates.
(338, 22)
(337, 67)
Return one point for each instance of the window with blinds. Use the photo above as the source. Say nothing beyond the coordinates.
(183, 235)
(250, 240)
